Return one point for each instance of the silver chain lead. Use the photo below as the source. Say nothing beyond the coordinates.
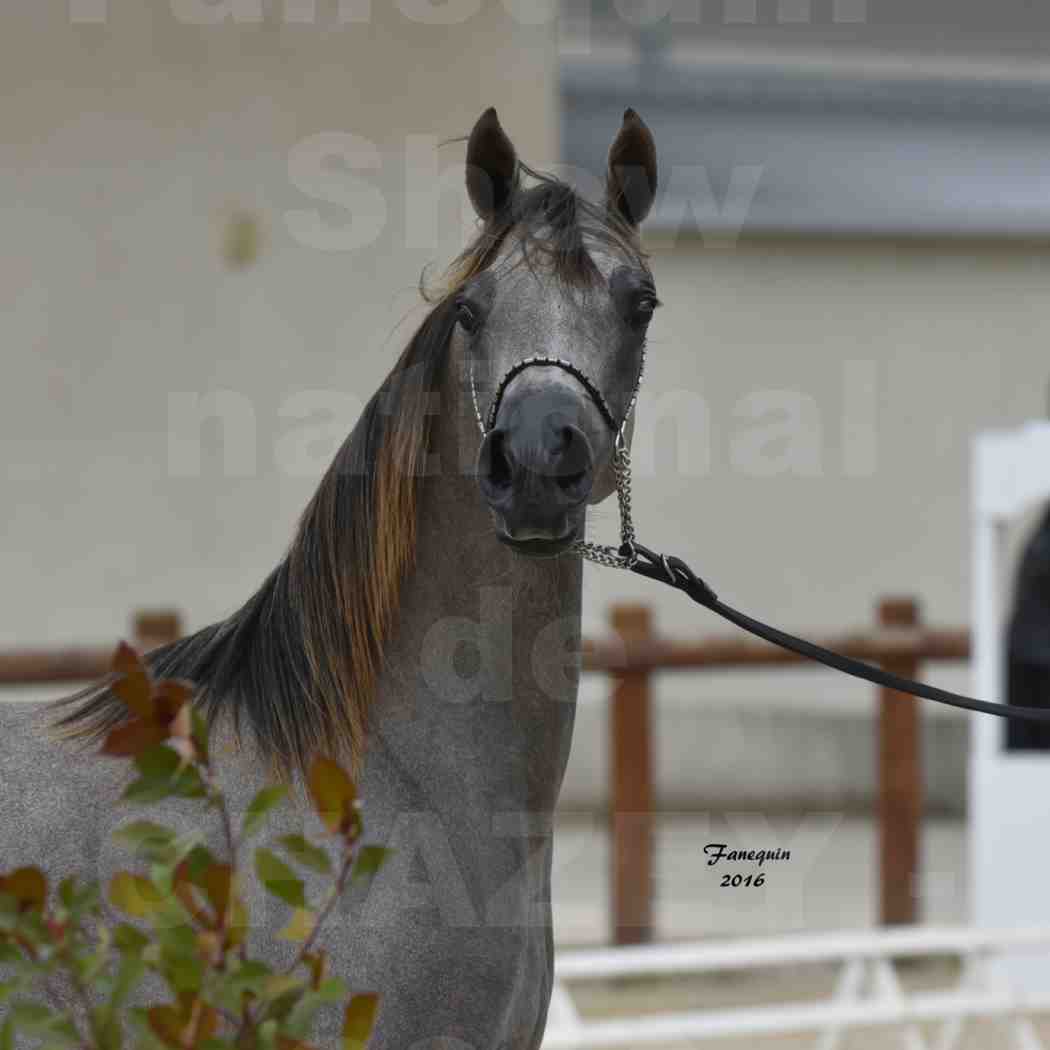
(599, 553)
(602, 554)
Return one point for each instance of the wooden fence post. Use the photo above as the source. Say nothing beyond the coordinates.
(155, 627)
(631, 830)
(900, 779)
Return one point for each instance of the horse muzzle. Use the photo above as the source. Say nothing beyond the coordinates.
(536, 465)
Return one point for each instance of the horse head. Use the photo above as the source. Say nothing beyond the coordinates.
(552, 314)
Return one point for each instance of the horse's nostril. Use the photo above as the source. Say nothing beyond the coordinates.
(573, 463)
(570, 482)
(552, 470)
(496, 467)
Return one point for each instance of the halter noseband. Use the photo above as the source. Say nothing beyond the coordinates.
(624, 557)
(560, 362)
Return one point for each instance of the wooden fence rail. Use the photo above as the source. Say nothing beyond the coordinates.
(631, 656)
(58, 666)
(898, 641)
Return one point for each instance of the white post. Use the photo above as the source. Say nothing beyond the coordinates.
(1009, 792)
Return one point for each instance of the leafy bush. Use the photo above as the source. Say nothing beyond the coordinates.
(191, 917)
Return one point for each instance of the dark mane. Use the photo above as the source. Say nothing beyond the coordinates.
(298, 661)
(297, 664)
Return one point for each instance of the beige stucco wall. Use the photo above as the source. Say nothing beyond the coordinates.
(829, 391)
(125, 147)
(890, 356)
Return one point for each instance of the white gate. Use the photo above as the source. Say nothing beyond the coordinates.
(1009, 791)
(867, 992)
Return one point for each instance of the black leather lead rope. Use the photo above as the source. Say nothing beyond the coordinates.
(674, 572)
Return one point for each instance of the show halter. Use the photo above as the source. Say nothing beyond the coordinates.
(673, 571)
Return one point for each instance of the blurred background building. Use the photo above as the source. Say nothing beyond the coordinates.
(215, 216)
(850, 244)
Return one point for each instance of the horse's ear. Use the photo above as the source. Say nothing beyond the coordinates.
(492, 166)
(631, 180)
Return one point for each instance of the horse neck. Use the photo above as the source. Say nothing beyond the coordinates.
(491, 718)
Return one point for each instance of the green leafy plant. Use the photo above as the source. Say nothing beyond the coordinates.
(189, 916)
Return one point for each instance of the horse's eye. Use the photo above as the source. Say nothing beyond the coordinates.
(468, 317)
(643, 309)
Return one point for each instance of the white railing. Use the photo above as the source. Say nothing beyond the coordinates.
(867, 992)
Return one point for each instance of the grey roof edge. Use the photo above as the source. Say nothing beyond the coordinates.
(761, 87)
(840, 155)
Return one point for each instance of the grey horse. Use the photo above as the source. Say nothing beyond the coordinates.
(425, 622)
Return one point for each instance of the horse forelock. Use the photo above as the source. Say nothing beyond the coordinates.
(547, 224)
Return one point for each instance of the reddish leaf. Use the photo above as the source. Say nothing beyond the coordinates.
(56, 929)
(167, 1025)
(218, 884)
(359, 1021)
(163, 710)
(28, 886)
(133, 738)
(170, 698)
(133, 687)
(207, 1024)
(333, 793)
